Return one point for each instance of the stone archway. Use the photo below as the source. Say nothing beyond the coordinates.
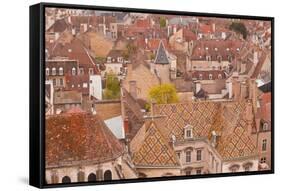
(92, 177)
(66, 179)
(107, 175)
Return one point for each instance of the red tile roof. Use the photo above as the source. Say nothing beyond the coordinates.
(79, 138)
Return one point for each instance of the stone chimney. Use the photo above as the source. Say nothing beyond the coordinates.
(249, 116)
(236, 88)
(255, 57)
(133, 88)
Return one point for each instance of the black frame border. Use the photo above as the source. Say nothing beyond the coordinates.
(37, 93)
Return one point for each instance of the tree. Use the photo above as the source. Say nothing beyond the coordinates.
(162, 22)
(112, 90)
(130, 49)
(163, 94)
(239, 28)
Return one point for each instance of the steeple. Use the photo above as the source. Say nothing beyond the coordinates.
(161, 55)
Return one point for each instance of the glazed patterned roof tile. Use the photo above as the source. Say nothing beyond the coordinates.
(155, 150)
(227, 119)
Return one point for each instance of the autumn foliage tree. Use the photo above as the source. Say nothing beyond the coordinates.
(163, 94)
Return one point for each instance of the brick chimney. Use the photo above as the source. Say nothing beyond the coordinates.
(126, 126)
(133, 88)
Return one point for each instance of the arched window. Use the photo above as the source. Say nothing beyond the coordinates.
(60, 71)
(66, 179)
(92, 177)
(73, 71)
(53, 71)
(81, 176)
(107, 175)
(47, 71)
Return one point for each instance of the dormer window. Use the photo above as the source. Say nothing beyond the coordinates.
(47, 71)
(120, 59)
(81, 71)
(188, 132)
(219, 76)
(53, 71)
(200, 76)
(60, 71)
(108, 59)
(91, 71)
(265, 127)
(210, 76)
(73, 71)
(219, 59)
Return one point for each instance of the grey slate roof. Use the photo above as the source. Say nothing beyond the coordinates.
(161, 56)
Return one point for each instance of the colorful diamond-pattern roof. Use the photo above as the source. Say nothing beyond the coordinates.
(227, 119)
(155, 150)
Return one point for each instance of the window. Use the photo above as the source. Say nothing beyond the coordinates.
(234, 167)
(188, 156)
(107, 175)
(54, 82)
(61, 82)
(188, 172)
(265, 127)
(199, 155)
(219, 76)
(92, 177)
(200, 76)
(120, 59)
(108, 59)
(213, 67)
(210, 76)
(263, 160)
(91, 71)
(47, 71)
(66, 179)
(73, 71)
(208, 58)
(81, 71)
(60, 71)
(198, 171)
(54, 178)
(188, 132)
(179, 155)
(85, 85)
(53, 71)
(264, 142)
(247, 168)
(219, 59)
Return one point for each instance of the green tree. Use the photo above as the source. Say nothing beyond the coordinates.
(239, 28)
(163, 94)
(112, 90)
(162, 22)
